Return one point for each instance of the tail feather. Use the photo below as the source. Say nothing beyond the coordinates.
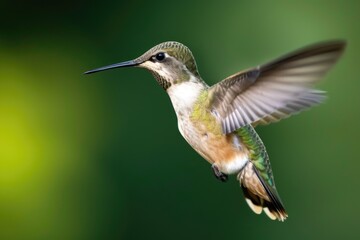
(253, 201)
(259, 195)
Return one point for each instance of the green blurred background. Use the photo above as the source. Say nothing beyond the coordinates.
(100, 156)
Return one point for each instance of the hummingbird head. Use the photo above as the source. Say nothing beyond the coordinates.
(169, 62)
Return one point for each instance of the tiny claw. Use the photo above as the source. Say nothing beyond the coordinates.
(223, 177)
(218, 174)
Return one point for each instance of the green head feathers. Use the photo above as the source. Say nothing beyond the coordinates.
(174, 49)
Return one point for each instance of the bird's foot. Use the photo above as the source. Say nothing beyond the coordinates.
(218, 174)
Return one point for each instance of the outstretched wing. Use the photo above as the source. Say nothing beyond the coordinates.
(276, 90)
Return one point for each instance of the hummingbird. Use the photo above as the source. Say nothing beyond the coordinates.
(218, 121)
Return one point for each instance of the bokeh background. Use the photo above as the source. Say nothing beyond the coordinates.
(100, 156)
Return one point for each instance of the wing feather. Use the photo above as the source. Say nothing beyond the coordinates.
(276, 90)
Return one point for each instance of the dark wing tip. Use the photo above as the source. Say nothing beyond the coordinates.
(328, 46)
(325, 47)
(339, 43)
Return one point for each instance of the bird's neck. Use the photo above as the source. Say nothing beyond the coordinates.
(184, 94)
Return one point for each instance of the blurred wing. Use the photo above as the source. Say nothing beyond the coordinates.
(275, 90)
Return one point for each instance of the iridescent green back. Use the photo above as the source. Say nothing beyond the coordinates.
(258, 154)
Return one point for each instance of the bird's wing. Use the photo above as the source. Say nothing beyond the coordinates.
(273, 91)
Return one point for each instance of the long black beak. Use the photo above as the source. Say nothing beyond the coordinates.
(130, 63)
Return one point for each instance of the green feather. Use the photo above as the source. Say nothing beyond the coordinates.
(201, 114)
(258, 154)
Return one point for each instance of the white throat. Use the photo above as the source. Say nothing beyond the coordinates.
(183, 96)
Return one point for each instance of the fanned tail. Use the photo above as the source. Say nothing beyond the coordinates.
(259, 195)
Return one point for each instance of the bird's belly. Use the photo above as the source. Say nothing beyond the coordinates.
(226, 151)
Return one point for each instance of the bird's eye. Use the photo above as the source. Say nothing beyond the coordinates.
(160, 56)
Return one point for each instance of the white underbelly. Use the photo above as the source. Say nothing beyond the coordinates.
(234, 165)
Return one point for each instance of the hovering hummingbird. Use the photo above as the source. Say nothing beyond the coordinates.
(218, 121)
